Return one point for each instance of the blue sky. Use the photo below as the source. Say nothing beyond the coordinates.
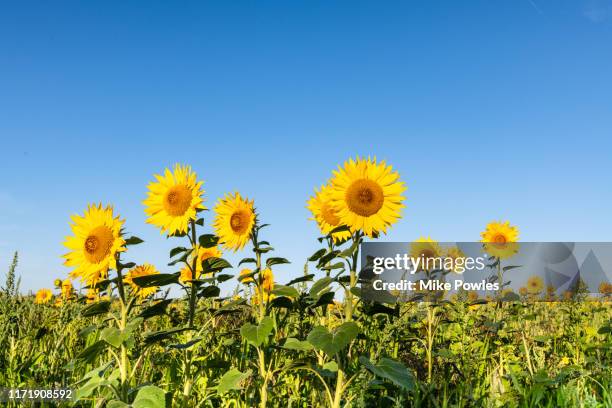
(489, 110)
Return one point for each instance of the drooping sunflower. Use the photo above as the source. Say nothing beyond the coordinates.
(43, 296)
(234, 221)
(203, 254)
(429, 251)
(174, 200)
(367, 195)
(500, 239)
(325, 215)
(137, 271)
(97, 239)
(67, 289)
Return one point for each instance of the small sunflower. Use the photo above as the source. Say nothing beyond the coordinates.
(367, 195)
(141, 270)
(535, 285)
(267, 280)
(97, 239)
(43, 296)
(427, 249)
(92, 295)
(203, 254)
(234, 221)
(499, 239)
(325, 215)
(174, 200)
(244, 278)
(67, 289)
(523, 291)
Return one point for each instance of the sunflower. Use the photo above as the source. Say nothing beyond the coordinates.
(367, 195)
(267, 280)
(174, 200)
(92, 295)
(203, 254)
(234, 221)
(66, 289)
(141, 270)
(97, 239)
(43, 296)
(523, 291)
(430, 252)
(535, 285)
(454, 259)
(499, 239)
(244, 278)
(325, 215)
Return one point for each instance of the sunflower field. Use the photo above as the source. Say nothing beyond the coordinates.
(121, 334)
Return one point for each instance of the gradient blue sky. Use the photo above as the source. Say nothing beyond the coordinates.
(489, 110)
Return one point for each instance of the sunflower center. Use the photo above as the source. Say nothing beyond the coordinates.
(500, 239)
(98, 244)
(365, 197)
(329, 215)
(239, 222)
(177, 200)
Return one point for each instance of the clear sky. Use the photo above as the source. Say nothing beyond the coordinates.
(488, 109)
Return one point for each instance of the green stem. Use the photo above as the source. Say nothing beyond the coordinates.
(193, 291)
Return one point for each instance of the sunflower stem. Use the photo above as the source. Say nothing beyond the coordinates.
(193, 291)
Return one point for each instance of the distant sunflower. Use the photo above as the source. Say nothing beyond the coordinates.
(429, 250)
(203, 254)
(67, 289)
(234, 221)
(267, 280)
(138, 271)
(535, 285)
(43, 296)
(174, 199)
(244, 277)
(325, 215)
(367, 195)
(499, 239)
(97, 239)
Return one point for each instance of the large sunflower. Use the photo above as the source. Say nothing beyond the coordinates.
(137, 271)
(234, 221)
(97, 239)
(174, 199)
(203, 254)
(367, 195)
(325, 215)
(43, 296)
(499, 239)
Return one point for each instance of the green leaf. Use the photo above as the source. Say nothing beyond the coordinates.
(320, 285)
(178, 250)
(301, 279)
(112, 336)
(213, 264)
(294, 344)
(91, 353)
(289, 291)
(391, 370)
(133, 241)
(208, 240)
(159, 279)
(276, 261)
(330, 366)
(153, 337)
(247, 260)
(232, 380)
(256, 335)
(157, 309)
(150, 396)
(332, 342)
(98, 308)
(317, 255)
(117, 404)
(210, 291)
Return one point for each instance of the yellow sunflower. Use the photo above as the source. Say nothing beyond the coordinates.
(97, 239)
(267, 280)
(499, 239)
(43, 296)
(430, 252)
(243, 278)
(367, 195)
(141, 270)
(234, 220)
(535, 285)
(325, 215)
(67, 289)
(203, 254)
(174, 199)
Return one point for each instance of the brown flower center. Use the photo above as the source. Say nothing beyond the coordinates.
(239, 221)
(177, 200)
(98, 244)
(365, 197)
